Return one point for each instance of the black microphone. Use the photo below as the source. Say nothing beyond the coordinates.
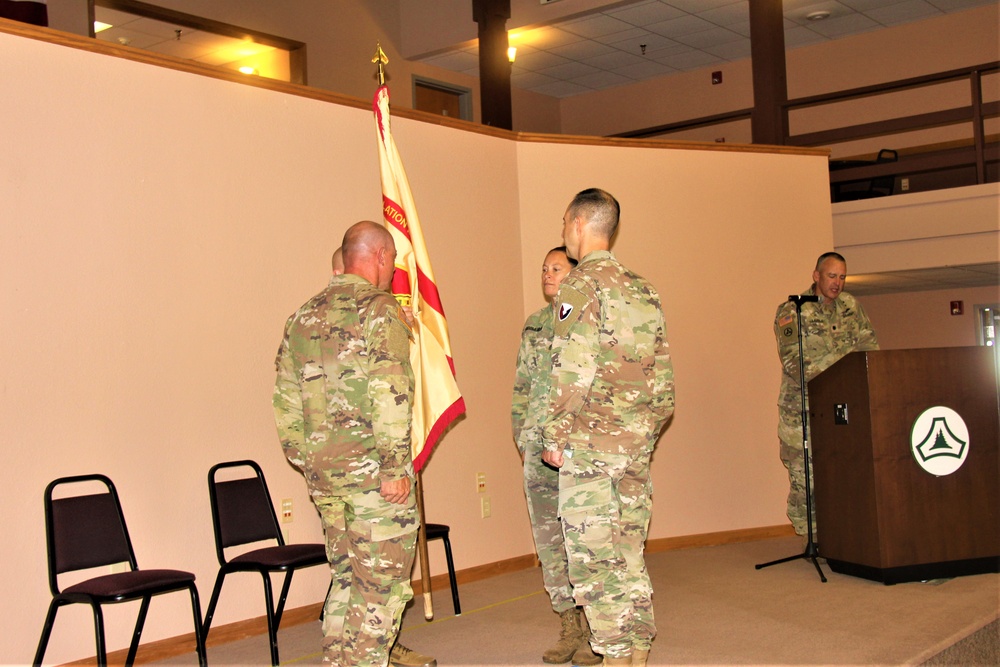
(800, 299)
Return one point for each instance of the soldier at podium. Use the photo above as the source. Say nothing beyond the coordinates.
(832, 326)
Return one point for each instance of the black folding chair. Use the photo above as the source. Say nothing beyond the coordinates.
(88, 531)
(242, 513)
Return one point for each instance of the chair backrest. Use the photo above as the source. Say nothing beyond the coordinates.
(884, 185)
(85, 531)
(242, 511)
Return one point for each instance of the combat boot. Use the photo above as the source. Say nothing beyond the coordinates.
(570, 637)
(584, 655)
(400, 656)
(639, 657)
(617, 662)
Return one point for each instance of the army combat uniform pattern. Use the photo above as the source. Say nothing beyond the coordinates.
(541, 483)
(612, 392)
(342, 407)
(829, 331)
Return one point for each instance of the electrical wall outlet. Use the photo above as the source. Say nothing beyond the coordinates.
(904, 184)
(485, 507)
(286, 511)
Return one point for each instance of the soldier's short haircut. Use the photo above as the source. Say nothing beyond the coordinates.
(827, 255)
(598, 208)
(562, 249)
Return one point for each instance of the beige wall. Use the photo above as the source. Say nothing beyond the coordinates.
(159, 227)
(924, 319)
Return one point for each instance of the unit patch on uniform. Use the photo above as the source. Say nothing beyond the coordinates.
(787, 326)
(564, 311)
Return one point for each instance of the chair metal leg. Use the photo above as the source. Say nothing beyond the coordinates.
(102, 651)
(281, 600)
(451, 576)
(272, 628)
(43, 641)
(199, 637)
(137, 633)
(322, 610)
(214, 600)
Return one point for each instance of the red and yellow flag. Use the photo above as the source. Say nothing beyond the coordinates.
(437, 401)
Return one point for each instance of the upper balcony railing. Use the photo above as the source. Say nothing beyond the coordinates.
(968, 156)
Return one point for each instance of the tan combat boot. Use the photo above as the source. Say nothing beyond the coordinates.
(639, 657)
(584, 655)
(618, 662)
(570, 637)
(400, 656)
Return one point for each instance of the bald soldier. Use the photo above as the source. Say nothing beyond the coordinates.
(832, 327)
(612, 392)
(342, 402)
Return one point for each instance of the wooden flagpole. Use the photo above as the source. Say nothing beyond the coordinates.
(380, 61)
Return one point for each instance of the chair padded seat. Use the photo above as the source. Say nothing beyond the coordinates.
(288, 555)
(131, 583)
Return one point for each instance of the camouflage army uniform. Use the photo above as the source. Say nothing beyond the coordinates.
(613, 390)
(541, 483)
(829, 331)
(342, 408)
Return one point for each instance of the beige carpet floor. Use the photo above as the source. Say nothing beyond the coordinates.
(712, 608)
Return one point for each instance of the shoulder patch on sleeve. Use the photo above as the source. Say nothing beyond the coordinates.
(569, 308)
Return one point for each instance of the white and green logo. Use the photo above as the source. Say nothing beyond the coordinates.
(939, 440)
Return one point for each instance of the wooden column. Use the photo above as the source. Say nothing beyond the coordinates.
(494, 68)
(769, 121)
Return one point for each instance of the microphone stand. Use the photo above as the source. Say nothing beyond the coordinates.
(811, 552)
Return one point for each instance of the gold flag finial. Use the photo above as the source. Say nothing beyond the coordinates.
(380, 61)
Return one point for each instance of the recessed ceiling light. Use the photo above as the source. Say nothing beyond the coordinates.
(818, 16)
(99, 26)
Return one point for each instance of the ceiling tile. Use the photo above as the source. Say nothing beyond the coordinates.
(644, 13)
(738, 12)
(539, 60)
(582, 50)
(595, 26)
(713, 37)
(601, 80)
(647, 69)
(904, 12)
(689, 60)
(569, 71)
(615, 60)
(852, 24)
(679, 27)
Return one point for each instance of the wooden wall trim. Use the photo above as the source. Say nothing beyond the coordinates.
(174, 646)
(191, 67)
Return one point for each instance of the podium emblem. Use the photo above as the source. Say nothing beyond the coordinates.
(939, 440)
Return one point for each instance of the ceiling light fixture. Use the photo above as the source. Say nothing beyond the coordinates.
(818, 16)
(248, 70)
(511, 54)
(100, 25)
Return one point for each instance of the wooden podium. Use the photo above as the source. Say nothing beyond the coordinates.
(879, 514)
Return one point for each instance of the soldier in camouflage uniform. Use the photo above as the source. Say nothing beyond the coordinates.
(831, 328)
(541, 482)
(612, 392)
(342, 407)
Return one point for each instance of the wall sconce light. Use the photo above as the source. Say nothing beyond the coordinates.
(248, 70)
(511, 54)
